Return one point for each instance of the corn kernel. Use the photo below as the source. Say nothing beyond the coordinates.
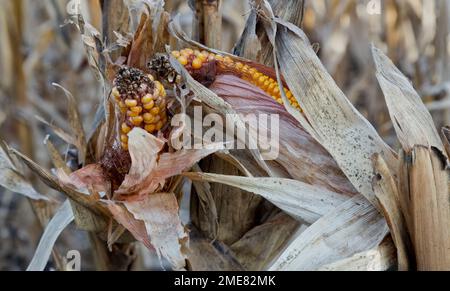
(183, 60)
(137, 109)
(125, 128)
(176, 54)
(115, 93)
(148, 118)
(131, 103)
(150, 128)
(124, 146)
(132, 114)
(147, 99)
(155, 111)
(124, 138)
(137, 121)
(159, 125)
(149, 105)
(197, 64)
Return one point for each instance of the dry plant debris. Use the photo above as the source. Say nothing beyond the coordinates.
(357, 184)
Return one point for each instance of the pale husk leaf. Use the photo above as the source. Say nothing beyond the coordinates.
(304, 202)
(335, 122)
(351, 228)
(167, 234)
(63, 217)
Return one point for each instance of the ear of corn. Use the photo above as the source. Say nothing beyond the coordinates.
(141, 102)
(204, 66)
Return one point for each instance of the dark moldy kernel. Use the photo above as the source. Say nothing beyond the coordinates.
(116, 163)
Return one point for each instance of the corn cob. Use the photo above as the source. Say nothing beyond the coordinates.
(205, 65)
(141, 102)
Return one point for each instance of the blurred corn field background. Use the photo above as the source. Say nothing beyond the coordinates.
(43, 57)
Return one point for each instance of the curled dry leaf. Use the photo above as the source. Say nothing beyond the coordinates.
(382, 258)
(144, 149)
(126, 219)
(162, 222)
(353, 227)
(412, 121)
(12, 180)
(168, 165)
(63, 217)
(91, 177)
(302, 157)
(302, 201)
(335, 122)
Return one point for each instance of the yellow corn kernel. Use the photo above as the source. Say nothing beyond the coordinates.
(137, 121)
(163, 104)
(155, 111)
(125, 146)
(160, 89)
(131, 103)
(137, 109)
(147, 99)
(125, 128)
(240, 66)
(122, 105)
(150, 105)
(159, 125)
(124, 138)
(176, 54)
(183, 60)
(197, 64)
(132, 114)
(150, 128)
(148, 118)
(115, 93)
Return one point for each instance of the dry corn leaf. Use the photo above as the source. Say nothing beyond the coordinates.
(262, 244)
(304, 202)
(210, 98)
(75, 123)
(148, 36)
(208, 207)
(56, 158)
(11, 179)
(55, 184)
(353, 227)
(445, 133)
(144, 149)
(387, 193)
(427, 202)
(254, 44)
(302, 156)
(163, 225)
(169, 165)
(412, 121)
(237, 210)
(127, 220)
(205, 255)
(382, 258)
(63, 217)
(90, 177)
(336, 124)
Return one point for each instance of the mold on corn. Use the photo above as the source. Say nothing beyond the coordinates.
(141, 102)
(203, 66)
